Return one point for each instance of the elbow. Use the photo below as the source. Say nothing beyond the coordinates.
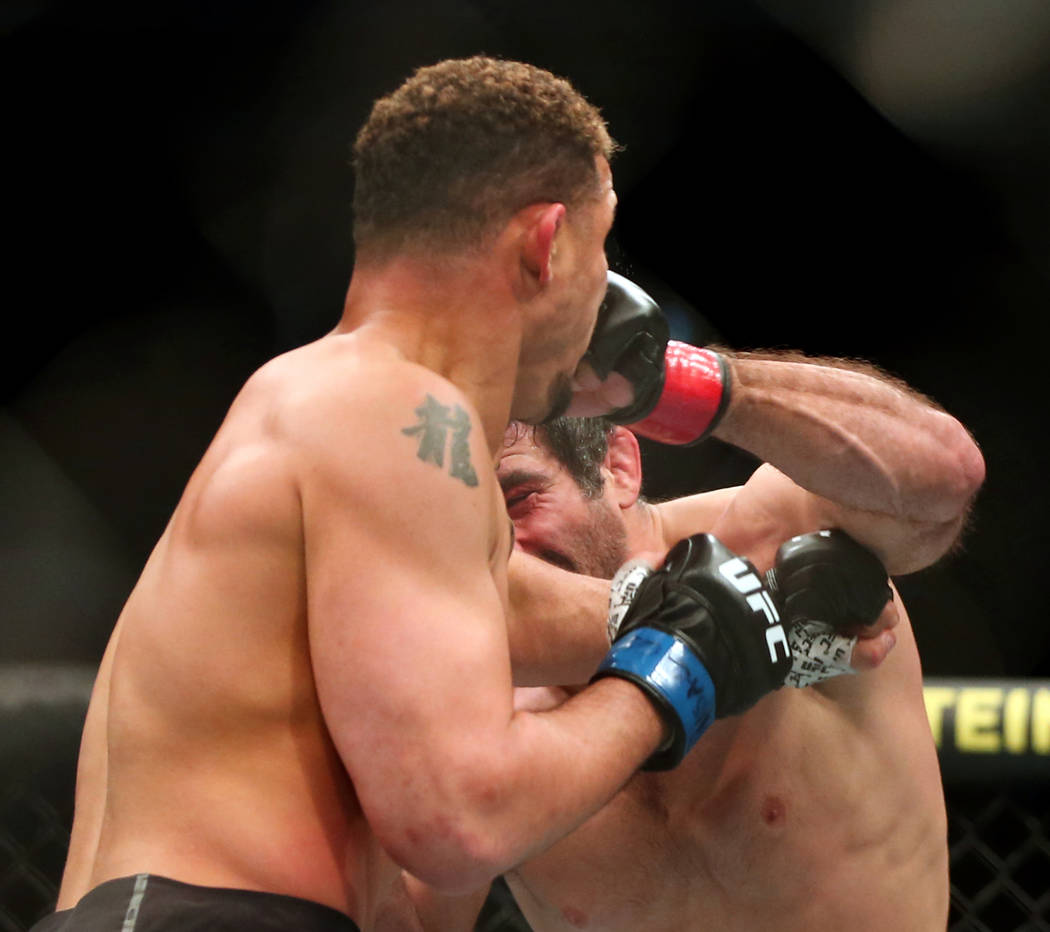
(959, 475)
(967, 464)
(971, 466)
(446, 855)
(921, 547)
(941, 510)
(455, 841)
(927, 542)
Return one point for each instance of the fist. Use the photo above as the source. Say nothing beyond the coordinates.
(700, 636)
(622, 374)
(835, 596)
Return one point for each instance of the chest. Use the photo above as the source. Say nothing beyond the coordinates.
(764, 804)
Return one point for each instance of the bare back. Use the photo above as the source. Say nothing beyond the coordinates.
(206, 757)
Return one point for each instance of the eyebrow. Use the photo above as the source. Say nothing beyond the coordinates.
(520, 477)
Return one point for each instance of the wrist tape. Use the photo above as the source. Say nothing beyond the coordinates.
(818, 652)
(674, 679)
(694, 398)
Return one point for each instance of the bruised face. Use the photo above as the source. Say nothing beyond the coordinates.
(553, 518)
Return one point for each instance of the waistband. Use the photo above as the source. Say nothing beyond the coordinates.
(152, 903)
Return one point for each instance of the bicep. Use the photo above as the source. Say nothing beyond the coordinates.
(407, 633)
(737, 516)
(393, 621)
(753, 519)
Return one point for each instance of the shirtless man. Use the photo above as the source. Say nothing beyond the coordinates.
(310, 685)
(820, 809)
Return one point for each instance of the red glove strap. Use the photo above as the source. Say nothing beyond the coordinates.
(693, 398)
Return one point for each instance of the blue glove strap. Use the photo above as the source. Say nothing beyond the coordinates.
(671, 669)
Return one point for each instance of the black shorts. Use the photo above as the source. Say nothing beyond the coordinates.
(148, 903)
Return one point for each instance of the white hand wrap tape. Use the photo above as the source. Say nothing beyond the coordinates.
(818, 653)
(624, 586)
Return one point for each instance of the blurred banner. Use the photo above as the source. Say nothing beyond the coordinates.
(993, 737)
(990, 730)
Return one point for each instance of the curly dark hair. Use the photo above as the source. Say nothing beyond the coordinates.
(464, 144)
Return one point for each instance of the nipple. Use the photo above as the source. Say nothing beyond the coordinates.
(774, 812)
(577, 918)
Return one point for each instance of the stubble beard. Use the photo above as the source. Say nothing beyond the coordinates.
(601, 547)
(559, 397)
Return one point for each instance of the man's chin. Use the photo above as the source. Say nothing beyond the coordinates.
(558, 399)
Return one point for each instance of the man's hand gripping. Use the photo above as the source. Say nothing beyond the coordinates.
(834, 596)
(701, 636)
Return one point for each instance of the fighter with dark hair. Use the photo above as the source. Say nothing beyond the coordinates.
(817, 809)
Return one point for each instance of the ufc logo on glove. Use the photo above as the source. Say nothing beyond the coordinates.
(748, 584)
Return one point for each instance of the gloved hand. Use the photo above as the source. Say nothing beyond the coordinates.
(622, 373)
(663, 389)
(701, 636)
(825, 585)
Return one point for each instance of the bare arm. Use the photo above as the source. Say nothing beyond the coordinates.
(410, 652)
(433, 911)
(540, 593)
(417, 907)
(855, 437)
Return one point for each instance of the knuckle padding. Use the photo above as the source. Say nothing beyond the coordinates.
(630, 337)
(689, 600)
(829, 577)
(696, 639)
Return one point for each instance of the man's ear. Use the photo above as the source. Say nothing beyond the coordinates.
(538, 248)
(623, 462)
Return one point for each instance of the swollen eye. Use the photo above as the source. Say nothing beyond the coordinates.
(519, 501)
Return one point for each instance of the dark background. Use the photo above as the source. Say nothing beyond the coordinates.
(866, 180)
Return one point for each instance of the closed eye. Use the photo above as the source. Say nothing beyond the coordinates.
(520, 502)
(520, 489)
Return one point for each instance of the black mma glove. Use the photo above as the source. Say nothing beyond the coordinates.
(680, 391)
(823, 583)
(630, 337)
(700, 636)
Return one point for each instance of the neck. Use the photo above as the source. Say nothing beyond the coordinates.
(458, 320)
(644, 530)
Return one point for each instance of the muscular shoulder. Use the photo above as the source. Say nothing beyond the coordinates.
(320, 390)
(376, 440)
(342, 403)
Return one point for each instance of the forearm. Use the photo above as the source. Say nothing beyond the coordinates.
(852, 436)
(557, 623)
(576, 757)
(839, 428)
(517, 789)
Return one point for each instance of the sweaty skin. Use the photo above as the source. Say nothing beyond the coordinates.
(283, 705)
(818, 809)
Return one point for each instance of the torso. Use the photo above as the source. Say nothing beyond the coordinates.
(817, 810)
(805, 814)
(206, 757)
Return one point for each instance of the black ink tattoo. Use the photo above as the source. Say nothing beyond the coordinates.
(435, 421)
